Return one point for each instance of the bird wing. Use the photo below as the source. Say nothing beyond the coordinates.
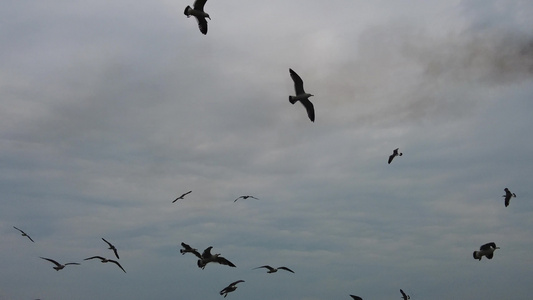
(18, 229)
(487, 246)
(255, 197)
(199, 4)
(234, 283)
(110, 245)
(93, 257)
(403, 294)
(286, 269)
(356, 297)
(207, 252)
(507, 200)
(391, 157)
(116, 252)
(30, 238)
(221, 260)
(202, 24)
(237, 199)
(266, 267)
(310, 109)
(116, 263)
(52, 261)
(71, 264)
(298, 82)
(185, 246)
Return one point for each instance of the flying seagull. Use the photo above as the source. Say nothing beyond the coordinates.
(199, 14)
(394, 154)
(301, 95)
(189, 249)
(111, 247)
(58, 265)
(207, 257)
(24, 234)
(274, 270)
(356, 297)
(485, 250)
(245, 197)
(105, 260)
(508, 195)
(230, 288)
(181, 197)
(404, 295)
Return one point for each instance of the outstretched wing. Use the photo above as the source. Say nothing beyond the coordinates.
(116, 263)
(110, 245)
(202, 24)
(309, 107)
(234, 283)
(356, 297)
(487, 246)
(221, 260)
(298, 82)
(266, 267)
(391, 157)
(199, 4)
(18, 229)
(286, 269)
(93, 257)
(237, 199)
(207, 252)
(71, 264)
(52, 261)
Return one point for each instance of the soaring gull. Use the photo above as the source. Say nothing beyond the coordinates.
(111, 247)
(24, 234)
(485, 250)
(181, 197)
(301, 95)
(274, 270)
(508, 195)
(189, 249)
(105, 260)
(199, 13)
(404, 295)
(394, 154)
(245, 197)
(230, 288)
(207, 257)
(58, 265)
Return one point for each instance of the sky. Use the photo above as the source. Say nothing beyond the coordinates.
(111, 110)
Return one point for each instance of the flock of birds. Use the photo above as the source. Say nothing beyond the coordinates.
(206, 256)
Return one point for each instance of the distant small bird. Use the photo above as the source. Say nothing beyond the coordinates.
(404, 296)
(199, 14)
(207, 257)
(230, 288)
(486, 250)
(274, 270)
(356, 297)
(105, 260)
(181, 197)
(245, 197)
(24, 234)
(189, 249)
(58, 265)
(301, 95)
(111, 247)
(508, 195)
(394, 154)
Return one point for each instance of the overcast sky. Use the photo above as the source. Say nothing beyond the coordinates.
(112, 109)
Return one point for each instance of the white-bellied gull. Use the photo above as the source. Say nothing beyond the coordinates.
(508, 195)
(105, 260)
(230, 288)
(24, 234)
(274, 270)
(189, 249)
(198, 12)
(58, 265)
(394, 154)
(486, 250)
(207, 257)
(301, 95)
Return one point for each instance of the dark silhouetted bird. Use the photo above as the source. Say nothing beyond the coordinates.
(111, 247)
(508, 195)
(207, 257)
(274, 270)
(245, 197)
(58, 265)
(230, 288)
(189, 249)
(301, 95)
(181, 197)
(394, 154)
(24, 234)
(486, 250)
(105, 260)
(404, 295)
(356, 297)
(198, 12)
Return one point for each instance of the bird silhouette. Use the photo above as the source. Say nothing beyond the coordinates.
(301, 95)
(198, 12)
(24, 234)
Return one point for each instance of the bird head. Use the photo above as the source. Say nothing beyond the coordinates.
(207, 16)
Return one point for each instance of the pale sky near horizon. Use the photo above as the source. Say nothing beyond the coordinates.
(112, 110)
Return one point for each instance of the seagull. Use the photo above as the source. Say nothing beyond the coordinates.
(404, 295)
(394, 154)
(24, 234)
(105, 260)
(508, 195)
(181, 197)
(301, 95)
(111, 247)
(274, 270)
(356, 297)
(207, 257)
(189, 249)
(199, 14)
(230, 288)
(485, 250)
(245, 197)
(58, 265)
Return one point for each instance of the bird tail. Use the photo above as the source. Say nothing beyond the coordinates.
(292, 100)
(476, 255)
(187, 11)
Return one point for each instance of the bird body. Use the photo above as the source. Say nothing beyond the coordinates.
(486, 250)
(58, 265)
(24, 234)
(230, 288)
(207, 257)
(198, 12)
(105, 260)
(301, 95)
(394, 154)
(274, 270)
(111, 247)
(508, 195)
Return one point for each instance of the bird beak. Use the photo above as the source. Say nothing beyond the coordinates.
(209, 17)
